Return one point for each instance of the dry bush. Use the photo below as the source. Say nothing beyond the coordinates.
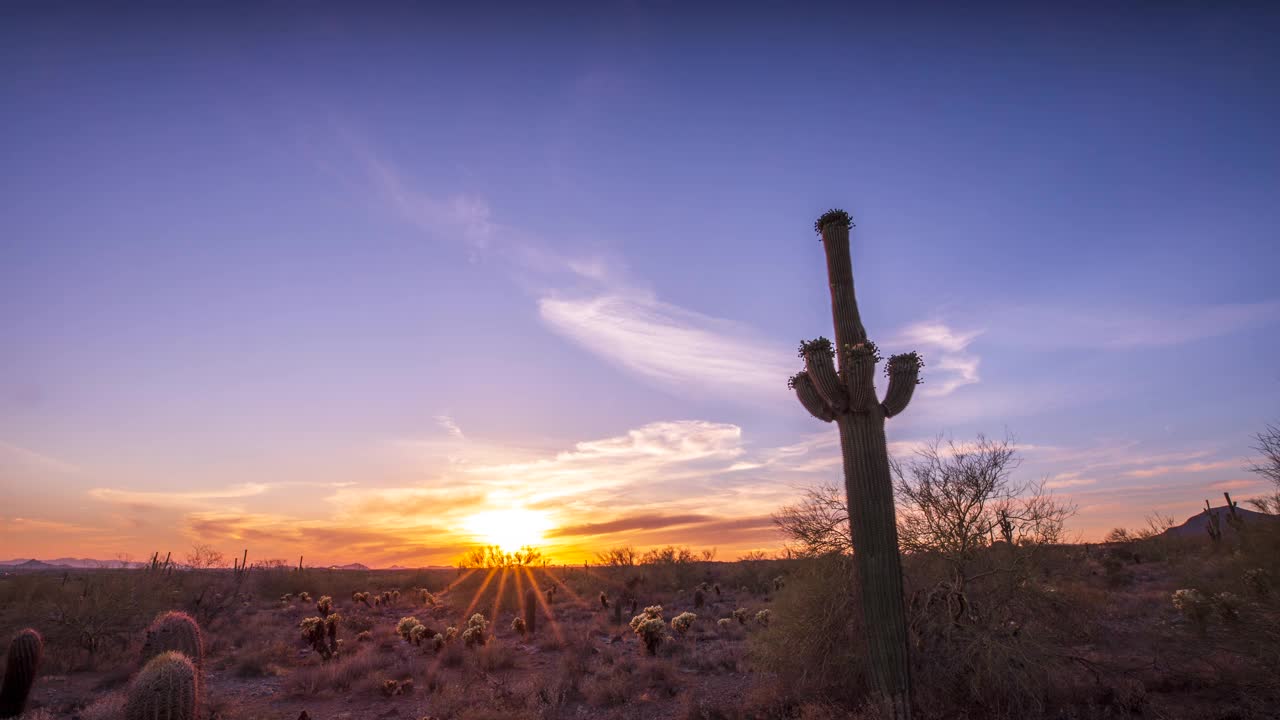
(814, 643)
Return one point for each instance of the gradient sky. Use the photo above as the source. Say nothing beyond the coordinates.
(314, 282)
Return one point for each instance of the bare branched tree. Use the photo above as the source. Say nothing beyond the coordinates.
(203, 556)
(818, 524)
(956, 500)
(624, 556)
(1268, 466)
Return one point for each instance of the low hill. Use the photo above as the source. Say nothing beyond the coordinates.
(1195, 525)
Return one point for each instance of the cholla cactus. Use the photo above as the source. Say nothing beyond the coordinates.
(762, 618)
(408, 626)
(286, 598)
(428, 599)
(1194, 606)
(437, 642)
(391, 688)
(418, 634)
(304, 597)
(682, 622)
(517, 625)
(362, 597)
(25, 650)
(1258, 580)
(364, 636)
(723, 624)
(650, 628)
(395, 596)
(166, 689)
(477, 628)
(322, 634)
(450, 633)
(604, 600)
(779, 583)
(324, 606)
(174, 631)
(740, 615)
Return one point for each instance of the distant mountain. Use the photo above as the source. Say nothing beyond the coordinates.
(37, 565)
(1195, 526)
(69, 563)
(349, 566)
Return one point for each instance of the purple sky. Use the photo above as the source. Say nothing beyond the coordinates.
(311, 279)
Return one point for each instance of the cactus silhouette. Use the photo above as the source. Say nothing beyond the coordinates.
(174, 631)
(848, 397)
(25, 651)
(166, 689)
(530, 610)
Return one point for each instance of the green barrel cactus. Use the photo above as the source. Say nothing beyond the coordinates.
(166, 689)
(175, 631)
(25, 651)
(847, 396)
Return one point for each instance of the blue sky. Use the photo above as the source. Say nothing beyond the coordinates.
(273, 276)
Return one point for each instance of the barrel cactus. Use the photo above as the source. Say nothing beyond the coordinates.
(166, 689)
(25, 651)
(848, 397)
(176, 631)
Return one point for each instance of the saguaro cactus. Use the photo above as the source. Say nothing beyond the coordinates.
(174, 631)
(25, 651)
(531, 610)
(848, 397)
(166, 689)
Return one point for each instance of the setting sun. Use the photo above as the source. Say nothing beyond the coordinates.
(510, 529)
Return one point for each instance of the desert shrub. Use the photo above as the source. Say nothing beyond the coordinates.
(815, 644)
(723, 624)
(763, 617)
(1258, 580)
(741, 614)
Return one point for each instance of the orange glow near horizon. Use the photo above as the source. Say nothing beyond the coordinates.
(509, 529)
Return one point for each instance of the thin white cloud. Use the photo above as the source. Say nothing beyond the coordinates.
(450, 426)
(669, 345)
(949, 363)
(178, 498)
(1122, 328)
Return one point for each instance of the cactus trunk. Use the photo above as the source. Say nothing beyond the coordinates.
(875, 542)
(852, 403)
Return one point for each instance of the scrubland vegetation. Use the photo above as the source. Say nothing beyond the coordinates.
(1005, 621)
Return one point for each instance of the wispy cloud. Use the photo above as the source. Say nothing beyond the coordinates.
(1194, 467)
(669, 345)
(16, 458)
(450, 426)
(951, 364)
(177, 497)
(1121, 328)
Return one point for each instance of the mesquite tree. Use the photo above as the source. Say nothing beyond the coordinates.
(848, 397)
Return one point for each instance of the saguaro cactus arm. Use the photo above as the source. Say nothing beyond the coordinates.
(817, 355)
(833, 228)
(809, 397)
(904, 374)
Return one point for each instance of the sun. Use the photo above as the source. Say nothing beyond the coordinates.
(509, 529)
